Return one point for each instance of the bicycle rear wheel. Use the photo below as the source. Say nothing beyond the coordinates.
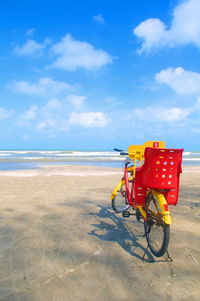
(120, 201)
(156, 231)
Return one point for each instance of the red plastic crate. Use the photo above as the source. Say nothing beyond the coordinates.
(161, 170)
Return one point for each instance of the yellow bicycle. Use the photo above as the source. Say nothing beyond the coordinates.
(149, 185)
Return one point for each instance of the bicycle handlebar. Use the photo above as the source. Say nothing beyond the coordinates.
(122, 152)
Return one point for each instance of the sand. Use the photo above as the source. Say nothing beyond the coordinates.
(60, 240)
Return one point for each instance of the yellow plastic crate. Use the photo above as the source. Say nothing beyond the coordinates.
(136, 152)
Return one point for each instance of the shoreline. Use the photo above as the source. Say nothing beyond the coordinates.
(63, 170)
(14, 166)
(76, 170)
(17, 165)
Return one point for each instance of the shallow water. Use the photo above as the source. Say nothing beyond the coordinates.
(35, 165)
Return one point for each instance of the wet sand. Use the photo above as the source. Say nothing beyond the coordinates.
(61, 241)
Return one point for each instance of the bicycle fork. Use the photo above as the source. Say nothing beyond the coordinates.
(163, 206)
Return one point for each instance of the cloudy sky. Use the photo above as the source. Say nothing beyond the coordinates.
(99, 74)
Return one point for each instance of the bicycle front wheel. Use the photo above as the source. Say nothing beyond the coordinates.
(157, 232)
(120, 201)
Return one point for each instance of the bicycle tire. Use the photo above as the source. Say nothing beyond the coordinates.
(119, 202)
(157, 232)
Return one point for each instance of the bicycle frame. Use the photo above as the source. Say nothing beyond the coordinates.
(129, 192)
(131, 199)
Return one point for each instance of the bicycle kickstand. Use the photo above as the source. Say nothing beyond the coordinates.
(169, 257)
(145, 252)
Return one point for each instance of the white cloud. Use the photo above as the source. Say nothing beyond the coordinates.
(76, 100)
(99, 19)
(53, 104)
(152, 32)
(31, 113)
(56, 124)
(184, 29)
(180, 80)
(198, 102)
(31, 48)
(159, 114)
(72, 54)
(54, 114)
(73, 99)
(45, 86)
(41, 125)
(57, 115)
(89, 119)
(28, 115)
(5, 113)
(48, 123)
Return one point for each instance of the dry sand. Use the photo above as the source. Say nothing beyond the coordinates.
(60, 240)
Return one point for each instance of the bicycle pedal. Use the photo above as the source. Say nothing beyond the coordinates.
(126, 214)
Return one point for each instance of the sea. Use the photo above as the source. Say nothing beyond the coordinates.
(31, 159)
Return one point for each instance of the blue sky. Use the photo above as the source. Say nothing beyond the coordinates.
(99, 74)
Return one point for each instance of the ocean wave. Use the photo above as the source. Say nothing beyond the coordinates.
(187, 153)
(191, 159)
(88, 154)
(54, 154)
(67, 159)
(31, 152)
(66, 156)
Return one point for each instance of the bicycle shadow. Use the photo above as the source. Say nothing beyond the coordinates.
(119, 233)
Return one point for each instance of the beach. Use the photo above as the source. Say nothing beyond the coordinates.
(60, 240)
